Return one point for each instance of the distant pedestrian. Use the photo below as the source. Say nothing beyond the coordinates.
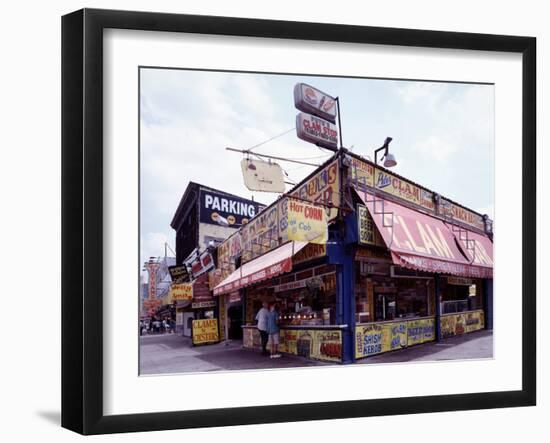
(273, 331)
(261, 318)
(141, 326)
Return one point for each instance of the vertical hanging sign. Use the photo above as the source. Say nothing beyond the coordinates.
(312, 101)
(316, 123)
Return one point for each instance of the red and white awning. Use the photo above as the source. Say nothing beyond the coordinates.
(262, 268)
(422, 242)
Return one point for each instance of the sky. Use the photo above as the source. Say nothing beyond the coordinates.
(443, 135)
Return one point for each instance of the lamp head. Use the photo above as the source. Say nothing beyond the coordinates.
(389, 160)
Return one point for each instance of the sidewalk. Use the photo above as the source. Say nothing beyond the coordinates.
(172, 353)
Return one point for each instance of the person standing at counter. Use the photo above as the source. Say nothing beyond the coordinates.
(262, 318)
(273, 331)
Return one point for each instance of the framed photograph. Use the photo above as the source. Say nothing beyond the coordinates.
(269, 221)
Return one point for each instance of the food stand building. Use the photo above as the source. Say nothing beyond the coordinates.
(401, 265)
(205, 217)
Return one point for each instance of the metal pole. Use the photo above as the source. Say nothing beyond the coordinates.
(339, 122)
(437, 290)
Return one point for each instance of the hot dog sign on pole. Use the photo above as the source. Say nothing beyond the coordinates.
(316, 123)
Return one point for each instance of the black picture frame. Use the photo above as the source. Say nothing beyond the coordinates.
(82, 215)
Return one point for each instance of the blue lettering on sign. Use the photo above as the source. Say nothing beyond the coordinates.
(395, 343)
(372, 344)
(372, 349)
(398, 329)
(383, 180)
(373, 338)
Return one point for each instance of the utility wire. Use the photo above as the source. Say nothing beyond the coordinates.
(272, 138)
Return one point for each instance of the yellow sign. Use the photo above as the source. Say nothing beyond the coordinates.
(309, 252)
(420, 331)
(327, 345)
(368, 340)
(181, 291)
(456, 324)
(205, 331)
(323, 187)
(361, 173)
(307, 222)
(260, 235)
(461, 214)
(395, 186)
(376, 338)
(367, 232)
(222, 301)
(310, 343)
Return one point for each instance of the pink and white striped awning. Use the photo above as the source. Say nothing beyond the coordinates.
(262, 268)
(422, 242)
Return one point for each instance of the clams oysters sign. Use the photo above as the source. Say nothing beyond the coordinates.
(315, 124)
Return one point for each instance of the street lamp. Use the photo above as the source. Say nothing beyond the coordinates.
(389, 159)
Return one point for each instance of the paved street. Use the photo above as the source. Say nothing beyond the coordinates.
(171, 353)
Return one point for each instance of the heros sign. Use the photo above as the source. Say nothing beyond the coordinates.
(312, 101)
(181, 292)
(237, 211)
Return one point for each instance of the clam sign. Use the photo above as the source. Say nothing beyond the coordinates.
(316, 123)
(316, 130)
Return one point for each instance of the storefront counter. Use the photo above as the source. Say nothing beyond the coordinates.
(322, 342)
(379, 337)
(462, 323)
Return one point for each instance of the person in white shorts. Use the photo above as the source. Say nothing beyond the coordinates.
(273, 331)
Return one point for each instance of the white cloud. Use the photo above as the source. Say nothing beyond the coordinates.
(435, 148)
(412, 92)
(187, 143)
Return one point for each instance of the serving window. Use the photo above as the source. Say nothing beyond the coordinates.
(307, 301)
(461, 294)
(402, 298)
